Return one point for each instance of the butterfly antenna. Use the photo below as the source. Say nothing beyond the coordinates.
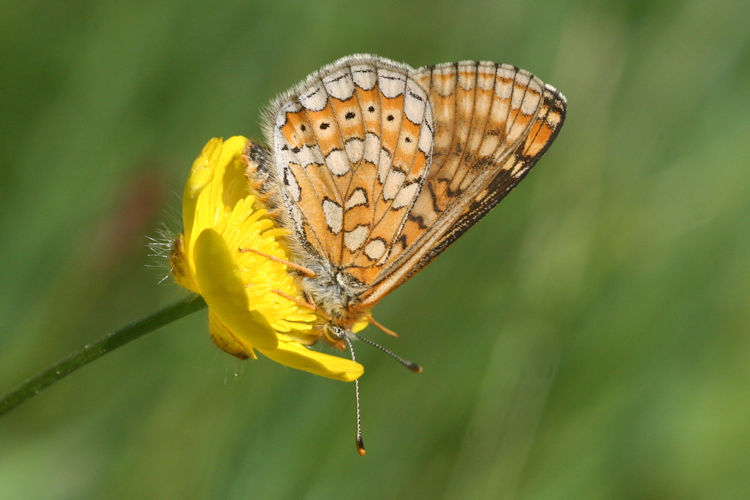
(360, 441)
(409, 364)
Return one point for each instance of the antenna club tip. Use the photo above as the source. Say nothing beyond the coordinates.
(415, 368)
(360, 447)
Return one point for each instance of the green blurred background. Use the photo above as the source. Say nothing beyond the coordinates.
(588, 339)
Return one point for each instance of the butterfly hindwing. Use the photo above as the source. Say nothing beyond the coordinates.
(352, 146)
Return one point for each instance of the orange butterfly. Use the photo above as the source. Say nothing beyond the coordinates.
(379, 167)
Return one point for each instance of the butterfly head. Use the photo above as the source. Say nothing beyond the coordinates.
(337, 335)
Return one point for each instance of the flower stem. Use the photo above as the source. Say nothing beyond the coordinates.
(34, 385)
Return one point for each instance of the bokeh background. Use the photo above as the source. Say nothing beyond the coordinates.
(588, 339)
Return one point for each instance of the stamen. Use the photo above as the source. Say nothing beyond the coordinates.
(410, 365)
(307, 272)
(360, 442)
(380, 326)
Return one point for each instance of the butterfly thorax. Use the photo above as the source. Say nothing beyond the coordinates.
(335, 293)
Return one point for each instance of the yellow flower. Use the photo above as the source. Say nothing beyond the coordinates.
(224, 224)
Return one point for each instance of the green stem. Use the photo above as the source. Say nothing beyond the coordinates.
(90, 352)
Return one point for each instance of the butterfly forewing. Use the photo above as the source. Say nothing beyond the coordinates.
(543, 131)
(492, 122)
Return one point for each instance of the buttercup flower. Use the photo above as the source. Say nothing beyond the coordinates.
(223, 255)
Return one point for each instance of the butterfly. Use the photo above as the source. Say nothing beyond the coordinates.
(375, 168)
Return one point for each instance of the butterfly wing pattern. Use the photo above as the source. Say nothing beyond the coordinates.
(493, 122)
(376, 167)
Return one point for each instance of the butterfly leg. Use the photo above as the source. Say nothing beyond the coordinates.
(299, 302)
(302, 269)
(380, 326)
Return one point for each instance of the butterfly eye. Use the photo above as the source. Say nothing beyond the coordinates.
(336, 332)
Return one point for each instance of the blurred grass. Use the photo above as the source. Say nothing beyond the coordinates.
(588, 339)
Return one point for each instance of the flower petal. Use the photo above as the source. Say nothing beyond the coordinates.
(217, 182)
(219, 281)
(227, 341)
(294, 355)
(235, 185)
(200, 175)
